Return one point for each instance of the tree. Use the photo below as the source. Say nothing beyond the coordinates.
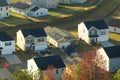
(6, 64)
(117, 75)
(21, 75)
(50, 73)
(93, 67)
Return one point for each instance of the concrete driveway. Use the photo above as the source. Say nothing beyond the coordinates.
(107, 44)
(12, 59)
(5, 74)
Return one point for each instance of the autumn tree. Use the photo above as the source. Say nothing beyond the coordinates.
(6, 64)
(21, 75)
(50, 73)
(93, 67)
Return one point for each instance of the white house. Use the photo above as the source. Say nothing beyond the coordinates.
(35, 39)
(41, 63)
(72, 1)
(28, 10)
(114, 25)
(7, 44)
(112, 56)
(58, 37)
(4, 9)
(93, 31)
(45, 3)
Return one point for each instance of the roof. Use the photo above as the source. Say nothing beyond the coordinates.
(113, 51)
(58, 34)
(20, 5)
(36, 32)
(35, 8)
(5, 37)
(99, 24)
(94, 35)
(3, 3)
(114, 23)
(44, 62)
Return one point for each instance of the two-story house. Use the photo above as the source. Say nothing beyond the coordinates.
(35, 39)
(45, 3)
(41, 64)
(72, 1)
(4, 9)
(7, 44)
(112, 57)
(93, 31)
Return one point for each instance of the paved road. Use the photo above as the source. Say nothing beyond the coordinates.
(4, 73)
(107, 44)
(12, 59)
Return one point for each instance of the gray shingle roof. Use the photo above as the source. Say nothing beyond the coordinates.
(20, 5)
(114, 23)
(99, 24)
(5, 37)
(3, 3)
(44, 62)
(113, 51)
(34, 8)
(36, 32)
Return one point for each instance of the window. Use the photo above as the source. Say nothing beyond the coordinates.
(6, 14)
(1, 9)
(83, 31)
(56, 71)
(8, 43)
(114, 29)
(29, 41)
(6, 8)
(102, 32)
(40, 39)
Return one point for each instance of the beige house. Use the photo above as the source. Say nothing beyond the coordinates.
(58, 37)
(45, 3)
(4, 9)
(39, 66)
(72, 1)
(35, 39)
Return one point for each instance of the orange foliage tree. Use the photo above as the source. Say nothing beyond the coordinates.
(90, 69)
(50, 73)
(6, 64)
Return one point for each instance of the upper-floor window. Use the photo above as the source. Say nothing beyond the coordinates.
(6, 8)
(40, 39)
(8, 43)
(1, 9)
(102, 32)
(56, 71)
(28, 41)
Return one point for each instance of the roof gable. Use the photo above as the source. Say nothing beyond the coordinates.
(99, 24)
(5, 37)
(3, 3)
(36, 32)
(44, 62)
(113, 51)
(35, 9)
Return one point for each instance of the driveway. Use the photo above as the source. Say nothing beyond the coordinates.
(107, 44)
(5, 74)
(12, 59)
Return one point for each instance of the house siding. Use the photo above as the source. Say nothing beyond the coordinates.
(114, 64)
(83, 32)
(20, 40)
(4, 12)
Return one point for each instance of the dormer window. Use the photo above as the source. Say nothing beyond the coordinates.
(8, 43)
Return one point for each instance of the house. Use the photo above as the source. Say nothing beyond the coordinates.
(114, 25)
(4, 9)
(112, 56)
(45, 3)
(93, 31)
(7, 44)
(35, 39)
(41, 63)
(28, 10)
(58, 37)
(72, 1)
